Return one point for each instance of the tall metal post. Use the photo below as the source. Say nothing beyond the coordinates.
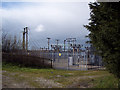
(48, 42)
(57, 41)
(64, 45)
(68, 46)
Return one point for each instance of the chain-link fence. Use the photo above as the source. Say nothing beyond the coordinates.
(83, 60)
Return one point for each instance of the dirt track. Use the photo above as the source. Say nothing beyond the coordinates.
(28, 81)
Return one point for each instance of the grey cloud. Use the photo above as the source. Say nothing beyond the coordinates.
(59, 21)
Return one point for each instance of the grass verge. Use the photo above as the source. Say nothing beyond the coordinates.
(65, 77)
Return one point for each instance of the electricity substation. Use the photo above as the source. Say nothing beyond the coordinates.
(70, 55)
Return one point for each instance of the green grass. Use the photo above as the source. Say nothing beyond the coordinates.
(46, 72)
(66, 77)
(106, 82)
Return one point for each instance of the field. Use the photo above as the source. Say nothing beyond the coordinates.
(15, 76)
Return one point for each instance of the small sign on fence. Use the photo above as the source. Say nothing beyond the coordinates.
(59, 54)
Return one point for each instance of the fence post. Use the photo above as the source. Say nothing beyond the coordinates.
(68, 60)
(51, 63)
(43, 62)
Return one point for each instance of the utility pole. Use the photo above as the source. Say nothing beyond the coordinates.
(25, 45)
(78, 47)
(48, 42)
(24, 39)
(69, 40)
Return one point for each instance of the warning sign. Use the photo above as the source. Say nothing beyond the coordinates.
(59, 54)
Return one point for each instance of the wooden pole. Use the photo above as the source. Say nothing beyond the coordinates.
(24, 39)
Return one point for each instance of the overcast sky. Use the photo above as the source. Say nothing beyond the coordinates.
(46, 19)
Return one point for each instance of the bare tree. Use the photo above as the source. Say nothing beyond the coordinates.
(10, 44)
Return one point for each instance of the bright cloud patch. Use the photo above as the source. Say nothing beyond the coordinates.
(39, 28)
